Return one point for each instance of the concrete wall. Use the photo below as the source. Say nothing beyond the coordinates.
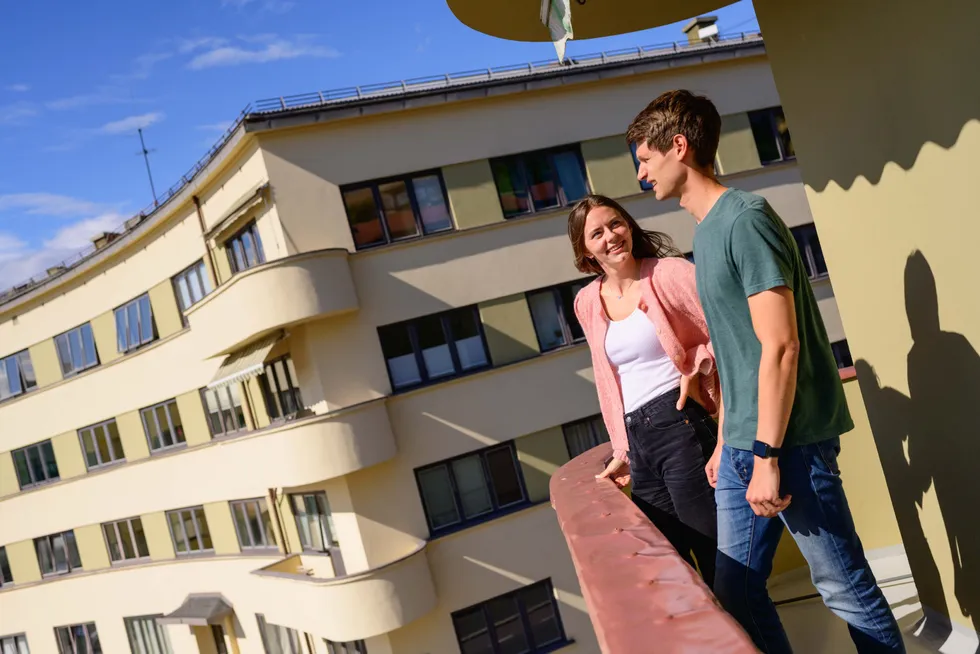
(610, 166)
(509, 329)
(889, 172)
(472, 194)
(737, 151)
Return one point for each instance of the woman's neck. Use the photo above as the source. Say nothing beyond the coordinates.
(628, 271)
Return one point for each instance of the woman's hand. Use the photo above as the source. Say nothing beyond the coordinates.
(690, 388)
(616, 470)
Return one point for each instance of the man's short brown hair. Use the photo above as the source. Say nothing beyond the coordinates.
(679, 112)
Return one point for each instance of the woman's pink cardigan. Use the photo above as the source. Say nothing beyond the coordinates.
(669, 298)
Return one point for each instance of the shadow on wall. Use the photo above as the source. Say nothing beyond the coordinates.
(920, 61)
(937, 425)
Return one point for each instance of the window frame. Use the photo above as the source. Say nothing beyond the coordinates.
(115, 525)
(251, 228)
(523, 615)
(98, 454)
(329, 537)
(69, 545)
(89, 649)
(196, 511)
(444, 318)
(413, 201)
(270, 540)
(801, 232)
(566, 326)
(6, 574)
(170, 423)
(770, 117)
(230, 396)
(496, 510)
(519, 158)
(591, 421)
(66, 335)
(30, 469)
(292, 635)
(274, 396)
(201, 270)
(123, 310)
(842, 354)
(18, 359)
(16, 640)
(346, 647)
(160, 632)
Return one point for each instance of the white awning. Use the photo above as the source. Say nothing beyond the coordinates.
(199, 609)
(246, 363)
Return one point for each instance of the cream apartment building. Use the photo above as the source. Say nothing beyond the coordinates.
(313, 402)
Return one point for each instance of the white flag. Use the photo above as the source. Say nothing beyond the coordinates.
(556, 15)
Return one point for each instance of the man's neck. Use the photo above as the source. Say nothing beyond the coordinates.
(700, 194)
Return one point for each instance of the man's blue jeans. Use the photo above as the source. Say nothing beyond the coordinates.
(820, 521)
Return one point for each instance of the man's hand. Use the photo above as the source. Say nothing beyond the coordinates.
(617, 471)
(763, 493)
(711, 468)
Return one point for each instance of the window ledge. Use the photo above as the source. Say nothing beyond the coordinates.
(487, 518)
(555, 647)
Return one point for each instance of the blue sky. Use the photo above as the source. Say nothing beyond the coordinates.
(78, 78)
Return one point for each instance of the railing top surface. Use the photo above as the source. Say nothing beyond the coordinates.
(640, 594)
(270, 106)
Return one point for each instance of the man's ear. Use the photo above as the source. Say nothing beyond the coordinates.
(680, 145)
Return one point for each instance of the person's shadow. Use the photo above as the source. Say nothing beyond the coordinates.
(938, 426)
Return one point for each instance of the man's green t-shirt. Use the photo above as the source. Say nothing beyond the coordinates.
(742, 248)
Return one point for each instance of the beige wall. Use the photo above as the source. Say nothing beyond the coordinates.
(68, 453)
(91, 547)
(104, 333)
(158, 538)
(472, 194)
(222, 528)
(8, 475)
(132, 435)
(540, 455)
(737, 151)
(509, 329)
(44, 358)
(23, 562)
(610, 166)
(866, 169)
(166, 315)
(233, 183)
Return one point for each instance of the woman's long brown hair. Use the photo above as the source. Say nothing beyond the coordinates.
(646, 243)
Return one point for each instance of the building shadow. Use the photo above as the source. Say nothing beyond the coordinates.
(931, 439)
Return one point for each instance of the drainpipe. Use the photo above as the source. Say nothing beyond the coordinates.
(204, 231)
(277, 498)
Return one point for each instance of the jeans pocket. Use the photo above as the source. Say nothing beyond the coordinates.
(742, 461)
(828, 451)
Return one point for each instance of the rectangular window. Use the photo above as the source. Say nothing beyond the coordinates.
(395, 209)
(191, 285)
(771, 135)
(134, 324)
(645, 185)
(126, 540)
(14, 644)
(6, 577)
(471, 488)
(224, 408)
(276, 639)
(245, 249)
(253, 524)
(163, 427)
(35, 464)
(350, 647)
(101, 445)
(810, 250)
(842, 354)
(16, 375)
(314, 521)
(189, 531)
(57, 554)
(433, 347)
(146, 636)
(553, 314)
(281, 389)
(76, 350)
(78, 639)
(538, 181)
(525, 620)
(583, 435)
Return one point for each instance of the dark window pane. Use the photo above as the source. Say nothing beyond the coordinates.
(547, 320)
(508, 627)
(472, 633)
(540, 607)
(88, 446)
(22, 467)
(437, 497)
(64, 354)
(37, 465)
(511, 186)
(435, 349)
(141, 547)
(88, 345)
(5, 575)
(541, 179)
(471, 484)
(50, 465)
(73, 557)
(133, 322)
(396, 344)
(146, 319)
(112, 541)
(27, 370)
(432, 204)
(364, 217)
(126, 539)
(122, 332)
(466, 335)
(571, 176)
(504, 475)
(765, 139)
(782, 129)
(75, 347)
(842, 354)
(398, 210)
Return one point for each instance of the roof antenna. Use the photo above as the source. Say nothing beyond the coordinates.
(146, 158)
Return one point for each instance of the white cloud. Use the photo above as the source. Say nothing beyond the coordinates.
(50, 204)
(274, 6)
(274, 49)
(19, 88)
(17, 113)
(131, 123)
(185, 46)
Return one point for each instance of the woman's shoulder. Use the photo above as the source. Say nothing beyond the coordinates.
(587, 296)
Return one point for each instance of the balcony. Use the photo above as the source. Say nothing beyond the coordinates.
(273, 296)
(301, 592)
(293, 454)
(623, 561)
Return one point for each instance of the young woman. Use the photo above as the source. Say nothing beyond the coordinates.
(654, 371)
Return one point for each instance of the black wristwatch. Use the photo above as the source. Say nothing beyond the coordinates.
(765, 450)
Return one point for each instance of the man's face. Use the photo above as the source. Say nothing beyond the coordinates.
(664, 171)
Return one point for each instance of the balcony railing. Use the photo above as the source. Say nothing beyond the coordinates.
(637, 588)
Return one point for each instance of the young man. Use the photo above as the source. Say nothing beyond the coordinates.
(784, 406)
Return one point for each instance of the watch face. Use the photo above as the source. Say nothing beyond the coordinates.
(760, 449)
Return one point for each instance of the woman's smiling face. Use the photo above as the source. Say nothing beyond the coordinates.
(607, 237)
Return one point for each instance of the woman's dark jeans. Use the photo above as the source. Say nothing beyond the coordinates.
(668, 452)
